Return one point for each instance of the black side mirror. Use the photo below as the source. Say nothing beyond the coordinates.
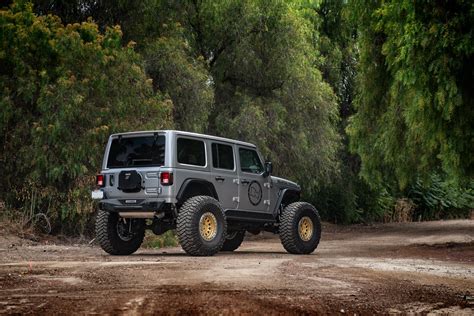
(268, 169)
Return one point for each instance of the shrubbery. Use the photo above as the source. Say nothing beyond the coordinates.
(355, 101)
(64, 89)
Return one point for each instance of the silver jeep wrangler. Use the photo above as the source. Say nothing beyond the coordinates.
(210, 189)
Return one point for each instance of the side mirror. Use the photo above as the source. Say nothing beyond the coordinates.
(268, 169)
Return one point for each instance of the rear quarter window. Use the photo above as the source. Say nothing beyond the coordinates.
(191, 152)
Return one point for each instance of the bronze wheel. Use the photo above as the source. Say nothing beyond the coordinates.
(300, 228)
(305, 228)
(201, 226)
(208, 226)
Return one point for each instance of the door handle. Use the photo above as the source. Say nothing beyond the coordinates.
(220, 179)
(244, 181)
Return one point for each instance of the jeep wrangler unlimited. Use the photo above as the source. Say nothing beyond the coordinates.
(210, 189)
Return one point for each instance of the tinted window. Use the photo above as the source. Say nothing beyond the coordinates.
(222, 156)
(143, 151)
(249, 161)
(191, 152)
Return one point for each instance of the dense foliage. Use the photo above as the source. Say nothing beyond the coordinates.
(64, 89)
(415, 102)
(362, 103)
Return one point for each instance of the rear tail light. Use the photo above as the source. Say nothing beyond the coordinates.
(166, 178)
(100, 180)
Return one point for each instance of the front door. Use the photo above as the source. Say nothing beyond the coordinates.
(254, 190)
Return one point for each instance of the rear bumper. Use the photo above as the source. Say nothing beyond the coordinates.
(145, 205)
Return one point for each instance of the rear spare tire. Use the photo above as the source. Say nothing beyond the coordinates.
(233, 240)
(201, 226)
(117, 235)
(300, 228)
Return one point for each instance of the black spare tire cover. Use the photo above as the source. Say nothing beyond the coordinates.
(130, 181)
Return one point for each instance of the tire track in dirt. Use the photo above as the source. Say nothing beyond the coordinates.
(417, 267)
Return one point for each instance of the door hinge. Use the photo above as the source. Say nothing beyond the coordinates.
(235, 199)
(267, 185)
(266, 202)
(236, 181)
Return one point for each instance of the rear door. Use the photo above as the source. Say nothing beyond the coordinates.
(143, 153)
(254, 188)
(224, 174)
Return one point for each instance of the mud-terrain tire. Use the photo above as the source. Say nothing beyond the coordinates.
(201, 226)
(300, 228)
(107, 229)
(233, 240)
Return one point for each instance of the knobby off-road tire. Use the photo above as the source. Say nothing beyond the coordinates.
(233, 240)
(201, 226)
(108, 234)
(300, 228)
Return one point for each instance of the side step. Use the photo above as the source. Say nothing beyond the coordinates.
(250, 217)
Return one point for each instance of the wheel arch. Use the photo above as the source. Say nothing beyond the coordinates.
(286, 197)
(192, 187)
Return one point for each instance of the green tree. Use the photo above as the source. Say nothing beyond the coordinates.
(185, 79)
(268, 89)
(170, 61)
(64, 89)
(242, 69)
(414, 103)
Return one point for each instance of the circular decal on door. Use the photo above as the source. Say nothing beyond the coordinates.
(255, 193)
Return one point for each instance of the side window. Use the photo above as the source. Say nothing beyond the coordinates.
(191, 152)
(222, 156)
(249, 161)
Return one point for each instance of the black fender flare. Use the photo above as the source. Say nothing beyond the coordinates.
(285, 193)
(192, 181)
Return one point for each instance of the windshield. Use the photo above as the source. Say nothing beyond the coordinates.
(140, 151)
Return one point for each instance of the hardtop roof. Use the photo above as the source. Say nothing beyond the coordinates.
(183, 133)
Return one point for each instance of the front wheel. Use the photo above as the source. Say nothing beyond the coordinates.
(300, 228)
(118, 235)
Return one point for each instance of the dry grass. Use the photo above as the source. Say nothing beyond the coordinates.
(402, 212)
(168, 239)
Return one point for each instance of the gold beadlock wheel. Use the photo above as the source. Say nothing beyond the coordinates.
(208, 226)
(305, 228)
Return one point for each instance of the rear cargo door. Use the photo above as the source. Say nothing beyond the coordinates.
(132, 166)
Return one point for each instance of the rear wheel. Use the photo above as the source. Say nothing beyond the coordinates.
(300, 228)
(117, 235)
(233, 240)
(201, 226)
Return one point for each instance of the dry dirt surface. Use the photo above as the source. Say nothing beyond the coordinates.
(410, 268)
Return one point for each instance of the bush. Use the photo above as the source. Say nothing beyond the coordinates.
(437, 198)
(63, 90)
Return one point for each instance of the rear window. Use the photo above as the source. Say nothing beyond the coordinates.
(141, 151)
(191, 152)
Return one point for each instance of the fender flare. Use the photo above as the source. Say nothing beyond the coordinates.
(191, 181)
(281, 195)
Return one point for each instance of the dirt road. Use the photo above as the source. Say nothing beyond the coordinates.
(408, 268)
